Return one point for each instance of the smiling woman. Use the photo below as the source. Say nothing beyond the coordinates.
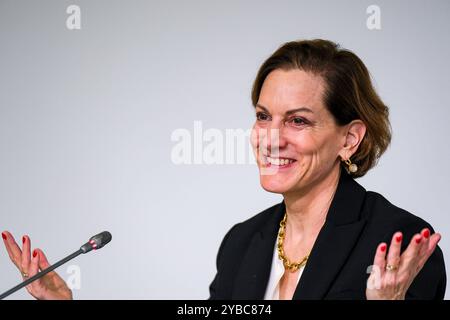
(319, 125)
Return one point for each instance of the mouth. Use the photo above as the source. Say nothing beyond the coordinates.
(277, 162)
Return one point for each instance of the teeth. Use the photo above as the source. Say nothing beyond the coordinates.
(278, 161)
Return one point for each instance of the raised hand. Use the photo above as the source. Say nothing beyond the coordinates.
(49, 287)
(392, 276)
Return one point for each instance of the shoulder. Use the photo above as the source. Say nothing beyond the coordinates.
(384, 214)
(233, 248)
(257, 221)
(242, 232)
(237, 240)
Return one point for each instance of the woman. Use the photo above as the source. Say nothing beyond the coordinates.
(319, 124)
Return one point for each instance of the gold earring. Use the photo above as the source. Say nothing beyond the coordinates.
(351, 166)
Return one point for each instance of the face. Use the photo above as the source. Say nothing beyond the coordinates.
(295, 138)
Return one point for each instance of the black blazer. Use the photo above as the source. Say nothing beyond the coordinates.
(357, 221)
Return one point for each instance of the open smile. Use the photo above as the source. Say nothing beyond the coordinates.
(277, 162)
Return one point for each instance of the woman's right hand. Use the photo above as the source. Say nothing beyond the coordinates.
(49, 287)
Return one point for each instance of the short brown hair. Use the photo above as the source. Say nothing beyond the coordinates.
(349, 93)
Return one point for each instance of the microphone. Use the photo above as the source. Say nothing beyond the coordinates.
(96, 242)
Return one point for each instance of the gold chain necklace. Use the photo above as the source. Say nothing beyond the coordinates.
(291, 266)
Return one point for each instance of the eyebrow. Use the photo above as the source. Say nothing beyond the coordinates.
(289, 111)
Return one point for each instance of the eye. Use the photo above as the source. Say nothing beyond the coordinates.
(261, 116)
(298, 121)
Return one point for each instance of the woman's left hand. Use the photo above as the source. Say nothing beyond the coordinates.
(391, 277)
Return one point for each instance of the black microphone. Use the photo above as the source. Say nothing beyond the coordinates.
(96, 242)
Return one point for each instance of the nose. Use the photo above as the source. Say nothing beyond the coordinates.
(274, 139)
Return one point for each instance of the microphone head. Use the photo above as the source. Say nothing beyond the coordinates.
(96, 242)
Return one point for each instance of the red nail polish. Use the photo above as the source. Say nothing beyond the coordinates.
(398, 238)
(383, 248)
(24, 239)
(34, 254)
(3, 236)
(418, 240)
(426, 233)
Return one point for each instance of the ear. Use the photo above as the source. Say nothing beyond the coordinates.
(354, 133)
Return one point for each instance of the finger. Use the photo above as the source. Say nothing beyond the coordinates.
(425, 233)
(14, 252)
(432, 244)
(43, 262)
(393, 257)
(380, 257)
(433, 241)
(25, 263)
(34, 268)
(410, 257)
(378, 267)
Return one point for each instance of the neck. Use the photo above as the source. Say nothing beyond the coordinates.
(307, 209)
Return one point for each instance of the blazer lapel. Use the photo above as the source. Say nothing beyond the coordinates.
(335, 241)
(329, 253)
(253, 275)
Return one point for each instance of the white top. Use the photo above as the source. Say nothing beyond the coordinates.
(276, 272)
